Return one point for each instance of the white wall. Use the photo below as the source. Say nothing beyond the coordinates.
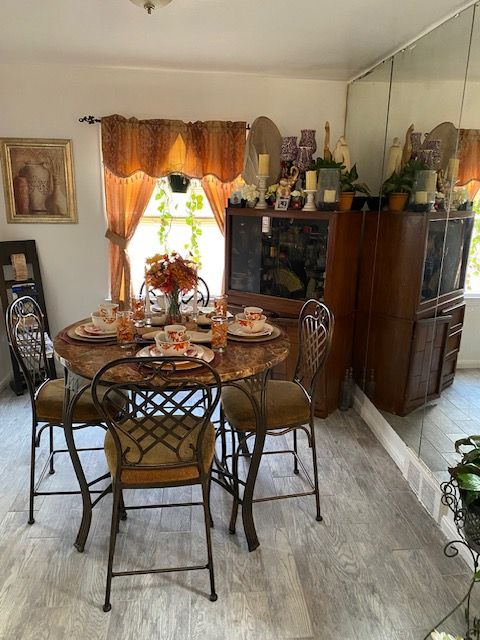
(45, 101)
(469, 356)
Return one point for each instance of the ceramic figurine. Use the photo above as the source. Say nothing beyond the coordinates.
(407, 147)
(394, 160)
(286, 185)
(327, 154)
(341, 153)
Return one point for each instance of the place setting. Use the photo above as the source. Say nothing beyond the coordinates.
(175, 340)
(252, 326)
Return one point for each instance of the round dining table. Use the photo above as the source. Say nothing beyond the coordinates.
(242, 361)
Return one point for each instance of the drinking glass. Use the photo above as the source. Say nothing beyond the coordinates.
(138, 309)
(219, 333)
(125, 328)
(221, 303)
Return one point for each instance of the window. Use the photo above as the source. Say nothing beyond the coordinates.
(473, 269)
(146, 243)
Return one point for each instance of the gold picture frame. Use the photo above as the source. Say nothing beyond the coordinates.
(38, 180)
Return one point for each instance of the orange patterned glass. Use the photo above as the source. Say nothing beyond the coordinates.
(221, 305)
(219, 333)
(125, 328)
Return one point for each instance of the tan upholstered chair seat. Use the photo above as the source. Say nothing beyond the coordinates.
(49, 404)
(287, 405)
(160, 454)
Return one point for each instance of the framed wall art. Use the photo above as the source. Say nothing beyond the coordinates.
(38, 180)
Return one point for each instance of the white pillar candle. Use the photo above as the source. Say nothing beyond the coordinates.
(147, 296)
(421, 197)
(330, 195)
(263, 164)
(311, 180)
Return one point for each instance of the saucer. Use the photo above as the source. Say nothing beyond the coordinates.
(96, 331)
(235, 329)
(195, 351)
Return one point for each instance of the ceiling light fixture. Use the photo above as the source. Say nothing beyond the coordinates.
(150, 5)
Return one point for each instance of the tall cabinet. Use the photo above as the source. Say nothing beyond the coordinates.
(410, 305)
(279, 259)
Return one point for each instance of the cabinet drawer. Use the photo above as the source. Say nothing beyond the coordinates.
(457, 312)
(453, 342)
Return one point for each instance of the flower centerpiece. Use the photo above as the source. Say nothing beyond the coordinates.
(173, 275)
(250, 193)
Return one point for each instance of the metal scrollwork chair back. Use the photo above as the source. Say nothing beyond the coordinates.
(27, 338)
(315, 332)
(162, 436)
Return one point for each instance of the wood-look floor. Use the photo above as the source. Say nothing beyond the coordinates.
(431, 431)
(373, 570)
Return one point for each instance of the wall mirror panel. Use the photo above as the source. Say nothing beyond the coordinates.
(415, 245)
(456, 414)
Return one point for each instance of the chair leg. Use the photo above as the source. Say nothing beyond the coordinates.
(51, 470)
(209, 502)
(295, 461)
(123, 511)
(31, 519)
(206, 510)
(233, 516)
(111, 550)
(315, 470)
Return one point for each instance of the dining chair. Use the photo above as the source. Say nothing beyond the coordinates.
(28, 341)
(203, 294)
(288, 406)
(163, 437)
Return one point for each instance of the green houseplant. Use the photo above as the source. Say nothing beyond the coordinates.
(349, 186)
(399, 185)
(467, 475)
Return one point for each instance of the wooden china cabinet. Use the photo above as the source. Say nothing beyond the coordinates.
(410, 305)
(279, 259)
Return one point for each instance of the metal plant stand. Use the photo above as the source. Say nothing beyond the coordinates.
(470, 539)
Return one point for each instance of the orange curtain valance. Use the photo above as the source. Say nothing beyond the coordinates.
(160, 147)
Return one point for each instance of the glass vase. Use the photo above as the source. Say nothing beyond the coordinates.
(172, 307)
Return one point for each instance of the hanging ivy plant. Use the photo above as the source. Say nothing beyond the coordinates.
(194, 204)
(165, 216)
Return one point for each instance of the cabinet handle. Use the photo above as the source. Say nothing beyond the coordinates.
(450, 309)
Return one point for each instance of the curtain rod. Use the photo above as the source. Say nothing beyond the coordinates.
(94, 120)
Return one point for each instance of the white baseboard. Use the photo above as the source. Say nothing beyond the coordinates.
(468, 364)
(390, 440)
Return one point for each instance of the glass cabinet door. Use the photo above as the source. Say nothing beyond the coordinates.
(281, 257)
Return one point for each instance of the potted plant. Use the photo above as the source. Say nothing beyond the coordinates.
(467, 475)
(349, 186)
(399, 185)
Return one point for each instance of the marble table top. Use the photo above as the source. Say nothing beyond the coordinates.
(240, 360)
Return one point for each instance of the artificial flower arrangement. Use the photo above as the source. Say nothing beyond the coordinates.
(174, 275)
(250, 193)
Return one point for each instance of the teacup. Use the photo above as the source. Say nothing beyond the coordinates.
(175, 333)
(169, 348)
(104, 325)
(250, 326)
(253, 313)
(108, 312)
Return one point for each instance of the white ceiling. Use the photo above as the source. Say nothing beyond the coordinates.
(329, 39)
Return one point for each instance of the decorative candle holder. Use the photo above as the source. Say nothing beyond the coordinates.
(328, 189)
(262, 188)
(424, 189)
(310, 203)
